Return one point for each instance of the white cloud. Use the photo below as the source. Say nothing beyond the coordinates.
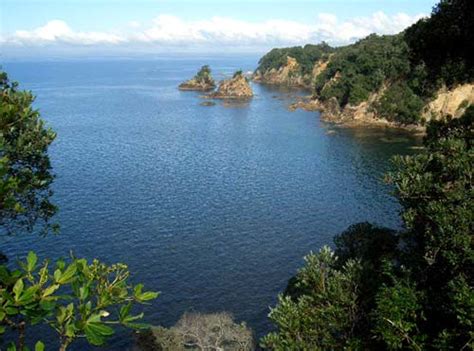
(57, 31)
(166, 30)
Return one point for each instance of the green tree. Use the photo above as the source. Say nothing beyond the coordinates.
(25, 168)
(325, 315)
(444, 42)
(204, 75)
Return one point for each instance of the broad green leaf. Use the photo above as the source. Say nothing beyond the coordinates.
(68, 274)
(57, 275)
(50, 290)
(28, 295)
(96, 333)
(124, 311)
(18, 288)
(39, 346)
(149, 295)
(31, 260)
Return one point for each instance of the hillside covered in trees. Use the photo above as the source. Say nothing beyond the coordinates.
(395, 75)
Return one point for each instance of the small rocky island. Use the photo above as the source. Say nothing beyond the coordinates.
(202, 81)
(237, 87)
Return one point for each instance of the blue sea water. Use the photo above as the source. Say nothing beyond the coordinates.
(214, 206)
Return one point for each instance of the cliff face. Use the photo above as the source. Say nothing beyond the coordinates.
(447, 102)
(235, 88)
(452, 102)
(290, 74)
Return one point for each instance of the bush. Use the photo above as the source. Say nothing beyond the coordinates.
(196, 331)
(400, 104)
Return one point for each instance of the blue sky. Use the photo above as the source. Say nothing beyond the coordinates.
(198, 25)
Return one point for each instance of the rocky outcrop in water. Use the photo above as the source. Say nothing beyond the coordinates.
(202, 81)
(237, 87)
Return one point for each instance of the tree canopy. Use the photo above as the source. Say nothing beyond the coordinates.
(25, 168)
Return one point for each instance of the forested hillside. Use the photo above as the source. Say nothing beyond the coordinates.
(397, 74)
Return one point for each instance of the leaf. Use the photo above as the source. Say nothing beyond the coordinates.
(124, 311)
(97, 332)
(57, 275)
(39, 346)
(11, 311)
(28, 295)
(31, 260)
(50, 290)
(18, 288)
(68, 274)
(137, 291)
(149, 295)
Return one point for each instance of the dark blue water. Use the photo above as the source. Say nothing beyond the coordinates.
(213, 206)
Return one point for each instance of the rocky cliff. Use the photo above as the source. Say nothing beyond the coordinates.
(450, 102)
(290, 74)
(447, 102)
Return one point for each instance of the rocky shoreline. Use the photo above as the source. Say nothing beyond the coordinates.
(350, 116)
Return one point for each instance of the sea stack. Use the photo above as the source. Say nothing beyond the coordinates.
(237, 87)
(202, 81)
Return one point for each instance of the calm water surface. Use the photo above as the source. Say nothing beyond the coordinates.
(213, 206)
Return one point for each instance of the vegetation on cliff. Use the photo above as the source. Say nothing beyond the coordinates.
(306, 56)
(386, 289)
(397, 74)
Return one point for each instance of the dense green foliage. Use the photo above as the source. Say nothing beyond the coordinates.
(356, 70)
(400, 104)
(204, 75)
(76, 299)
(444, 42)
(25, 169)
(412, 289)
(305, 56)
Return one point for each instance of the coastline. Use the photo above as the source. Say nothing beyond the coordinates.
(350, 119)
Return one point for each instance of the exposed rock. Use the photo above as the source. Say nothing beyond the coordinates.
(451, 102)
(207, 103)
(290, 74)
(350, 115)
(202, 81)
(235, 88)
(319, 67)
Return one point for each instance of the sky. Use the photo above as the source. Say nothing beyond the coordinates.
(31, 27)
